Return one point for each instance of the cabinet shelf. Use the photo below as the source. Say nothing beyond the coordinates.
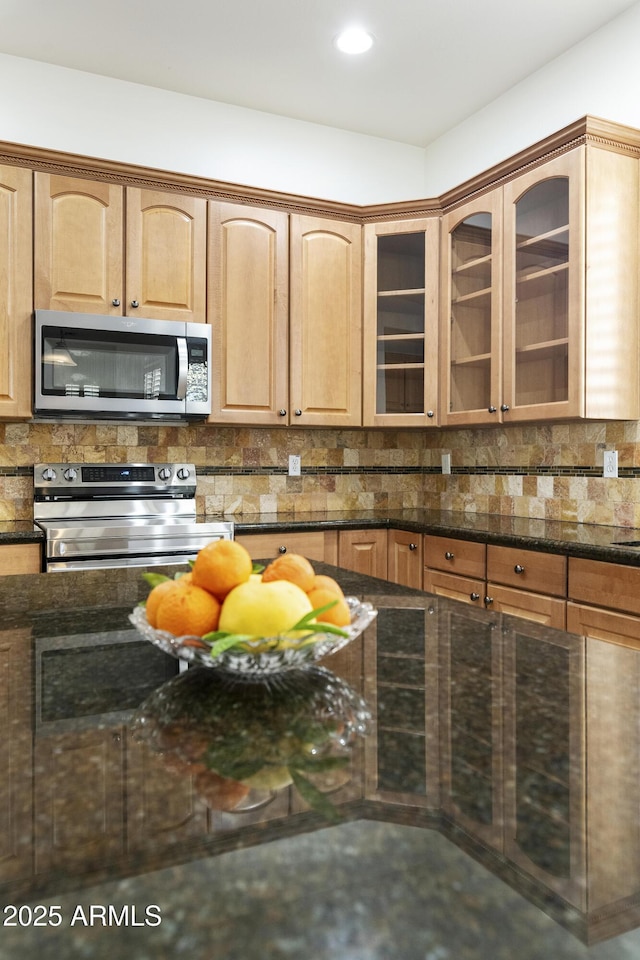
(528, 276)
(467, 297)
(400, 366)
(471, 265)
(413, 292)
(542, 351)
(477, 360)
(542, 237)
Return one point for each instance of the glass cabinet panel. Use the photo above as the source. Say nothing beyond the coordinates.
(471, 307)
(541, 294)
(400, 361)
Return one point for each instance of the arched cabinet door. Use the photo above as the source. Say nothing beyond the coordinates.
(325, 324)
(249, 313)
(166, 250)
(15, 292)
(471, 319)
(78, 244)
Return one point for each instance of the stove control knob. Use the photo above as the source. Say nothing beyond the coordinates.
(48, 474)
(164, 473)
(183, 473)
(70, 473)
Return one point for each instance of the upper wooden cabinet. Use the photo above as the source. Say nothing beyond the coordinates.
(325, 379)
(400, 358)
(87, 233)
(249, 313)
(15, 292)
(537, 276)
(284, 303)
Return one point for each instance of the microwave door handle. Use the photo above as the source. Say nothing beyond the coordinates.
(183, 368)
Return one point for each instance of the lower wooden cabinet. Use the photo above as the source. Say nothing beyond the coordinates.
(552, 611)
(17, 558)
(610, 585)
(364, 551)
(314, 545)
(464, 589)
(404, 558)
(16, 774)
(599, 624)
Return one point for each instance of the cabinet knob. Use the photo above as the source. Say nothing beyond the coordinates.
(115, 302)
(488, 601)
(430, 413)
(474, 596)
(413, 546)
(448, 555)
(298, 413)
(282, 549)
(491, 409)
(135, 303)
(504, 407)
(282, 413)
(518, 568)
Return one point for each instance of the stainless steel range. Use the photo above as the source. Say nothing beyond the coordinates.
(116, 515)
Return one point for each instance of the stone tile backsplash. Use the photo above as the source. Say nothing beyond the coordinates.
(549, 472)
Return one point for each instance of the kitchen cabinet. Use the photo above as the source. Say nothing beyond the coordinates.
(364, 551)
(455, 568)
(404, 558)
(249, 313)
(536, 276)
(471, 724)
(400, 343)
(121, 251)
(16, 293)
(79, 799)
(527, 583)
(16, 775)
(401, 690)
(612, 585)
(325, 328)
(18, 558)
(314, 545)
(285, 307)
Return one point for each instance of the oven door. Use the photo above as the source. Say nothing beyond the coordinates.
(120, 368)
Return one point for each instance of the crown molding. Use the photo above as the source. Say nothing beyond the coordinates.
(604, 134)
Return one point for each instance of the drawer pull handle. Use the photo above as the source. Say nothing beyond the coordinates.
(282, 412)
(491, 409)
(282, 549)
(413, 546)
(474, 596)
(505, 407)
(518, 568)
(448, 555)
(488, 601)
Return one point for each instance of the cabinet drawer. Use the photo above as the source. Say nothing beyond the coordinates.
(600, 584)
(464, 557)
(314, 545)
(465, 589)
(527, 570)
(551, 611)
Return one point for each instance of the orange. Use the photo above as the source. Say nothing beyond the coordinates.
(221, 566)
(188, 610)
(292, 567)
(155, 598)
(338, 614)
(322, 582)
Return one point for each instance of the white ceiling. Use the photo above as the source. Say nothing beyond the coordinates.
(435, 62)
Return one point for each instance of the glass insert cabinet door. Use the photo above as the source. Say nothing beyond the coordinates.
(401, 333)
(471, 322)
(543, 312)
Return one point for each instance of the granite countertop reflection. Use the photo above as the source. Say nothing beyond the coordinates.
(486, 805)
(591, 541)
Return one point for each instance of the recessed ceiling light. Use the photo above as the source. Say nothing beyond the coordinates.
(354, 40)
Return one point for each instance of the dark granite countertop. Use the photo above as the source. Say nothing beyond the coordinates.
(591, 541)
(486, 808)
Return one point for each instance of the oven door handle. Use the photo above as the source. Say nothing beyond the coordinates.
(183, 368)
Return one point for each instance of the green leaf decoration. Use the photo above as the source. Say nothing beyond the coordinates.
(225, 641)
(314, 797)
(154, 579)
(318, 764)
(257, 568)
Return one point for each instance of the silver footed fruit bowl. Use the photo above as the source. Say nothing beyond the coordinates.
(255, 664)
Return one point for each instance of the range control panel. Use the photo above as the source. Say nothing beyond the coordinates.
(115, 479)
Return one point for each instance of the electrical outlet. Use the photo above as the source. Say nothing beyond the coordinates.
(446, 463)
(294, 466)
(610, 466)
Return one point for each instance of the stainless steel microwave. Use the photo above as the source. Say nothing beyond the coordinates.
(120, 368)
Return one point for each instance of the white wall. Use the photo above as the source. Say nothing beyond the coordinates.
(61, 109)
(599, 76)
